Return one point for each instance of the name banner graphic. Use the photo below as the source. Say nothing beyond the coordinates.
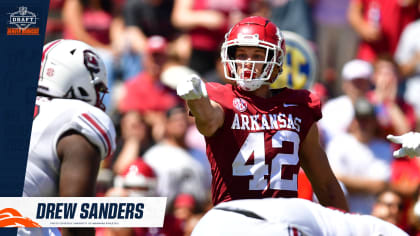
(82, 212)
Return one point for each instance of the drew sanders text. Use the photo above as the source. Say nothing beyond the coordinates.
(90, 210)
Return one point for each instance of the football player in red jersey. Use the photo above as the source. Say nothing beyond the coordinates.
(257, 138)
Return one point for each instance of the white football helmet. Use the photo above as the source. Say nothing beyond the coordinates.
(72, 69)
(258, 32)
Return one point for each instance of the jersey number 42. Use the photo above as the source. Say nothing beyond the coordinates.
(255, 143)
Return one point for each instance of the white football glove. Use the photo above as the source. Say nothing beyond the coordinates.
(410, 144)
(192, 88)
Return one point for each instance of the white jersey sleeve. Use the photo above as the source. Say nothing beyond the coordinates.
(95, 126)
(53, 118)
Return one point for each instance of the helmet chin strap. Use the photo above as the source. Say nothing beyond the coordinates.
(250, 85)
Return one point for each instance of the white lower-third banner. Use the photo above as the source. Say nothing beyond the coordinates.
(82, 212)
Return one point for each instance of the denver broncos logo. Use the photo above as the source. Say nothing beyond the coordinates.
(10, 217)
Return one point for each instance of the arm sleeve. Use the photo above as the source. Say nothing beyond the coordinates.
(95, 126)
(315, 105)
(220, 94)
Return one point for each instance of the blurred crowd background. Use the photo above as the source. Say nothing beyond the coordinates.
(368, 54)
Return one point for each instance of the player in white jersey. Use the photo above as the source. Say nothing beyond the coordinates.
(70, 133)
(288, 217)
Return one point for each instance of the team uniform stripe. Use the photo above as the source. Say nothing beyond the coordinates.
(100, 137)
(101, 131)
(107, 132)
(293, 231)
(242, 212)
(97, 127)
(44, 54)
(48, 48)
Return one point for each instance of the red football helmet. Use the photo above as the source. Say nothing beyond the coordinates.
(253, 31)
(139, 179)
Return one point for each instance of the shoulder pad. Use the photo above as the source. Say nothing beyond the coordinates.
(97, 127)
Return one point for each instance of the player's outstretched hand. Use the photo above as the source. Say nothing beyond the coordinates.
(410, 144)
(192, 88)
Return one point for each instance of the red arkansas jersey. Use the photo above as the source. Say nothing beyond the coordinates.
(255, 153)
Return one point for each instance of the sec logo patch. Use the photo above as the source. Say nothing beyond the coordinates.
(50, 72)
(240, 104)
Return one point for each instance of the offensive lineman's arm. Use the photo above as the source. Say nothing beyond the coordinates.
(208, 114)
(315, 164)
(79, 168)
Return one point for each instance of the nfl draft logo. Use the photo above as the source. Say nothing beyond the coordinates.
(22, 22)
(240, 104)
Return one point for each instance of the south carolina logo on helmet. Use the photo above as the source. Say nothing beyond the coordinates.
(78, 72)
(254, 31)
(91, 61)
